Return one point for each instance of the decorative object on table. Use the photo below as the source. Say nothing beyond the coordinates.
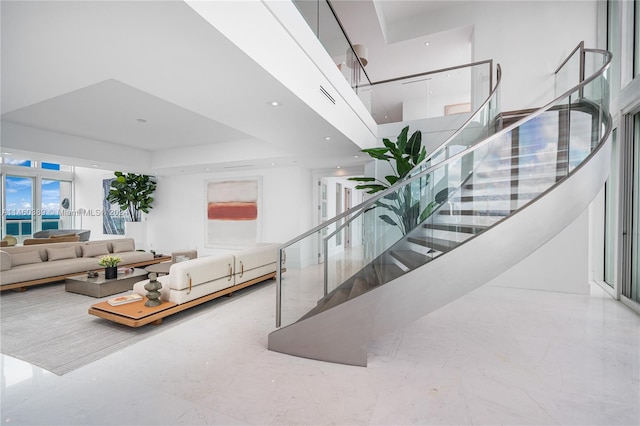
(123, 300)
(92, 274)
(152, 287)
(110, 265)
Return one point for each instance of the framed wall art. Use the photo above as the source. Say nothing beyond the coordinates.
(233, 212)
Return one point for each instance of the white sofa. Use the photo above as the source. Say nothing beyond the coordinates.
(193, 279)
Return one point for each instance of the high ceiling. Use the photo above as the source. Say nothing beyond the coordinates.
(154, 81)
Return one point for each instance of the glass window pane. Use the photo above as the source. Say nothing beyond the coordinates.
(17, 162)
(51, 166)
(19, 207)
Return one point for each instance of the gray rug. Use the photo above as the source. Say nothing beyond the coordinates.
(51, 328)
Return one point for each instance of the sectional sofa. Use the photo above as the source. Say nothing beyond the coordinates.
(24, 266)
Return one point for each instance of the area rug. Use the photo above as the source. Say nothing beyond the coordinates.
(50, 328)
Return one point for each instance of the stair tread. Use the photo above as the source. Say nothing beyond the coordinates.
(469, 212)
(388, 271)
(411, 258)
(438, 244)
(465, 229)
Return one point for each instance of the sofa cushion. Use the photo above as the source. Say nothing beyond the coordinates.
(122, 246)
(26, 258)
(5, 261)
(201, 270)
(54, 254)
(93, 250)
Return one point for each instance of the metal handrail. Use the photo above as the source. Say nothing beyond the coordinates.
(438, 71)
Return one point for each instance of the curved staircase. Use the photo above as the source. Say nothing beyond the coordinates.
(475, 214)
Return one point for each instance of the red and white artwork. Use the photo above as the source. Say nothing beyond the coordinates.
(233, 212)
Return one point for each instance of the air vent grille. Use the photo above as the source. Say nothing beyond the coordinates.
(324, 92)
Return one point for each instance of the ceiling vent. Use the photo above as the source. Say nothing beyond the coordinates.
(324, 92)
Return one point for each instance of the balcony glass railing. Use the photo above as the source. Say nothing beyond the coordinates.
(453, 92)
(449, 202)
(349, 59)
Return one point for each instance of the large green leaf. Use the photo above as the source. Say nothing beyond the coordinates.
(402, 139)
(371, 188)
(391, 179)
(362, 179)
(387, 219)
(377, 153)
(414, 145)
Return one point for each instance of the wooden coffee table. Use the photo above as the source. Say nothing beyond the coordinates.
(100, 286)
(160, 268)
(131, 314)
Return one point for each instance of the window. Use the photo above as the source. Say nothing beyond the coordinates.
(35, 198)
(18, 211)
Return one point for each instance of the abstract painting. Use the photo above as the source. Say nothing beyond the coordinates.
(112, 222)
(233, 212)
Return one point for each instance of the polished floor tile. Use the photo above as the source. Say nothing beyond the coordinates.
(495, 356)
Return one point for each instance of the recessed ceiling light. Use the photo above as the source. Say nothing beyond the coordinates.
(327, 138)
(427, 43)
(207, 169)
(337, 167)
(95, 165)
(274, 103)
(273, 164)
(356, 156)
(141, 120)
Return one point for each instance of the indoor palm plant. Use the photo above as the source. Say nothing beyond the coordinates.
(407, 206)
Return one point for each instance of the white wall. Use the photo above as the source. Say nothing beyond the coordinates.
(528, 38)
(561, 265)
(177, 220)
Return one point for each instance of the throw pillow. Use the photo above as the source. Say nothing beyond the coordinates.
(26, 258)
(61, 253)
(122, 246)
(93, 250)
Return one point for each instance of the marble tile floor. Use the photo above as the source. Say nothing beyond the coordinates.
(496, 356)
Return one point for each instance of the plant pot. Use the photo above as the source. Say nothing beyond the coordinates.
(111, 272)
(137, 231)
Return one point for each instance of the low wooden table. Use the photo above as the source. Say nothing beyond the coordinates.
(100, 286)
(133, 314)
(160, 268)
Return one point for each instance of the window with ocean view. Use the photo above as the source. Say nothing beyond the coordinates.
(34, 199)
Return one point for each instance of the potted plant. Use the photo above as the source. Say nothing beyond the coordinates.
(407, 206)
(110, 265)
(133, 193)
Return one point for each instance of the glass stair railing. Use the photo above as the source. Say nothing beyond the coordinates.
(444, 207)
(294, 299)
